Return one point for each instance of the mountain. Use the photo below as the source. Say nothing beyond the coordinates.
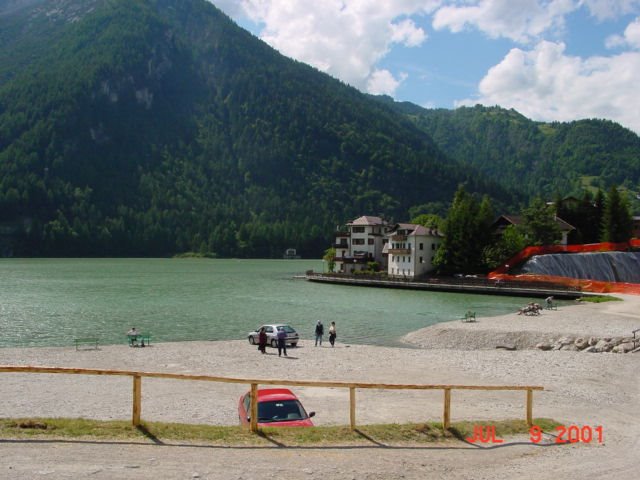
(537, 158)
(150, 127)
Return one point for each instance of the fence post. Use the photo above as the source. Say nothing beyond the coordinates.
(352, 407)
(446, 416)
(529, 407)
(137, 400)
(254, 407)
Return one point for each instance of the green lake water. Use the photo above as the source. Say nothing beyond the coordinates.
(49, 302)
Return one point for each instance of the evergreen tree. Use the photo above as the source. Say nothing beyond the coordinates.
(617, 223)
(467, 234)
(540, 226)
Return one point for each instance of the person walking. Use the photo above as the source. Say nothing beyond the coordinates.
(262, 340)
(319, 332)
(332, 334)
(282, 342)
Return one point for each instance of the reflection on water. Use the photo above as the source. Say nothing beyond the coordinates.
(48, 302)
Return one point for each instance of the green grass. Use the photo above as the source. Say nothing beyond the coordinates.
(412, 433)
(600, 299)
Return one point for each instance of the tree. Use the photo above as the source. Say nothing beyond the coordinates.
(540, 226)
(467, 234)
(429, 220)
(330, 258)
(510, 243)
(617, 223)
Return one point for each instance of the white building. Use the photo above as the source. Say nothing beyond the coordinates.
(362, 242)
(411, 249)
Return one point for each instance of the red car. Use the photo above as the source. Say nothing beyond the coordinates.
(277, 407)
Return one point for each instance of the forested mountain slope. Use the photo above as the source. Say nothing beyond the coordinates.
(150, 127)
(537, 158)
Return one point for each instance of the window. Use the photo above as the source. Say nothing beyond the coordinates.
(358, 241)
(433, 246)
(357, 229)
(421, 260)
(421, 246)
(370, 241)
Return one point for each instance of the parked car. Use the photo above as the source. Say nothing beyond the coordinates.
(272, 330)
(277, 407)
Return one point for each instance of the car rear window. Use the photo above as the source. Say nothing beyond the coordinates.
(288, 329)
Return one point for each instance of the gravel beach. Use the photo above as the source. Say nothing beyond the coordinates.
(592, 389)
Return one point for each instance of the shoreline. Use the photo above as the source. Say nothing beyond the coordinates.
(584, 319)
(586, 389)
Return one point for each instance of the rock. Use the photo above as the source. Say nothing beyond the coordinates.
(543, 346)
(625, 347)
(581, 343)
(602, 346)
(636, 350)
(506, 347)
(565, 341)
(569, 348)
(590, 349)
(593, 341)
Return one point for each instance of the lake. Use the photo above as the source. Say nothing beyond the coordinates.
(49, 302)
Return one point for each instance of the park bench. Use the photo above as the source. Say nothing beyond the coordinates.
(139, 340)
(88, 343)
(469, 316)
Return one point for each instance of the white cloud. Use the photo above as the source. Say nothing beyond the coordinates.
(630, 38)
(518, 20)
(382, 82)
(344, 38)
(545, 84)
(607, 9)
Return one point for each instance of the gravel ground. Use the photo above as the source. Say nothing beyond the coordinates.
(580, 388)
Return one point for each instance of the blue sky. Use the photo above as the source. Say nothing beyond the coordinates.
(549, 59)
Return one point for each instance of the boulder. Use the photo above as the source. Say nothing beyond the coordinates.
(625, 347)
(506, 347)
(569, 348)
(590, 349)
(581, 343)
(543, 346)
(565, 341)
(593, 341)
(603, 346)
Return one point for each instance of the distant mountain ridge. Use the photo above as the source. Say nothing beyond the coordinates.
(537, 158)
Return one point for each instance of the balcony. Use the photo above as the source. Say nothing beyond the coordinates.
(398, 238)
(399, 251)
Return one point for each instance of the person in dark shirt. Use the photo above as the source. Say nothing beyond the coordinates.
(319, 332)
(282, 342)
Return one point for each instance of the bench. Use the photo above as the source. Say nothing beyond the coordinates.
(91, 343)
(140, 340)
(469, 317)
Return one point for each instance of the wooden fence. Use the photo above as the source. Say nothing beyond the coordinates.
(253, 383)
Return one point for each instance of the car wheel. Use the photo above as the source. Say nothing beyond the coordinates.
(252, 340)
(274, 343)
(294, 345)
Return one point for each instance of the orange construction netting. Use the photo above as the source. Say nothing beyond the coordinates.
(595, 286)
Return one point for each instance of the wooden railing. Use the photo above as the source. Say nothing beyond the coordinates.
(253, 383)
